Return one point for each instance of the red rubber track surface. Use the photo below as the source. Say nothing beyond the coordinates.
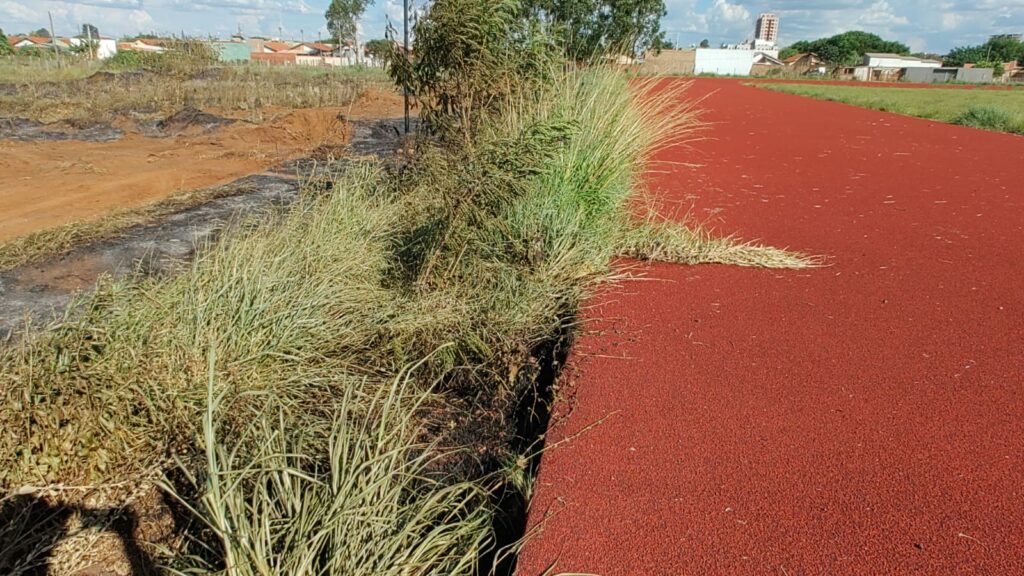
(862, 418)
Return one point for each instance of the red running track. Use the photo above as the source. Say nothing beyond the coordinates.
(864, 418)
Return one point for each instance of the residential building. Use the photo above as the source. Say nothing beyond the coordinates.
(765, 65)
(312, 49)
(41, 42)
(806, 62)
(767, 29)
(106, 46)
(897, 61)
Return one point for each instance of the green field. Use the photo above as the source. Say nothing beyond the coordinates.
(999, 110)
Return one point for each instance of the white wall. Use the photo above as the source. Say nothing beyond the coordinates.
(881, 62)
(106, 49)
(723, 62)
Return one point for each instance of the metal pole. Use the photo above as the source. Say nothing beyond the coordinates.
(405, 31)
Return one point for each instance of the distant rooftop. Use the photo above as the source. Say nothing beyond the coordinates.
(897, 57)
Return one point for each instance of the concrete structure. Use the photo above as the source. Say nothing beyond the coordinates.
(885, 60)
(767, 29)
(233, 51)
(943, 75)
(106, 46)
(669, 62)
(723, 62)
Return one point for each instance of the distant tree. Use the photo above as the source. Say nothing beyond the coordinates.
(705, 43)
(788, 52)
(342, 16)
(995, 50)
(660, 44)
(848, 48)
(5, 46)
(90, 31)
(592, 28)
(42, 32)
(378, 48)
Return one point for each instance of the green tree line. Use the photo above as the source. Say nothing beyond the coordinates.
(995, 51)
(846, 49)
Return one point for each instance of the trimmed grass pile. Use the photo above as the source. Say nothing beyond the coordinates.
(999, 110)
(274, 370)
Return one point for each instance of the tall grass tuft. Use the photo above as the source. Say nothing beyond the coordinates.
(368, 505)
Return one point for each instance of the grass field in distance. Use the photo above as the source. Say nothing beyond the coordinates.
(999, 110)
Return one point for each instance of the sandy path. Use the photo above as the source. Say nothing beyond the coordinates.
(864, 418)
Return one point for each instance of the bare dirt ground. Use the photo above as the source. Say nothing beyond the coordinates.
(45, 183)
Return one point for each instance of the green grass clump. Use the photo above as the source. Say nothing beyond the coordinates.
(988, 118)
(1000, 110)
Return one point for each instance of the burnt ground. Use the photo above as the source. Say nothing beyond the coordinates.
(26, 130)
(40, 291)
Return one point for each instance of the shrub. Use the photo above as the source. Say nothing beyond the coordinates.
(987, 118)
(182, 58)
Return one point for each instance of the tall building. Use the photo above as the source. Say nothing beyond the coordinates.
(767, 29)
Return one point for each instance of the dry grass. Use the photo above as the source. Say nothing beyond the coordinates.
(664, 240)
(106, 97)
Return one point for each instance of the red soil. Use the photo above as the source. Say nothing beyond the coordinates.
(863, 418)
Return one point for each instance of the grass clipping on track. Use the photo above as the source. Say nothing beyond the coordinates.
(275, 368)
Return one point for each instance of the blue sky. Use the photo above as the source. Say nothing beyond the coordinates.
(926, 25)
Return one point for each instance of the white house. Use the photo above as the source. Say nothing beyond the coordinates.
(106, 46)
(883, 60)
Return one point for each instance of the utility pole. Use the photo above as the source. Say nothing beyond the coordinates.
(405, 32)
(88, 35)
(53, 39)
